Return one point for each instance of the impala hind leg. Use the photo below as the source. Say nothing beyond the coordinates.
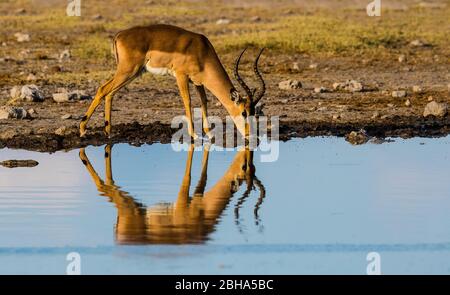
(204, 101)
(107, 90)
(183, 85)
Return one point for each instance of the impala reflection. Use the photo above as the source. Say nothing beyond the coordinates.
(190, 219)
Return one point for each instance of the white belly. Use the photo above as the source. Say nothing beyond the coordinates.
(158, 71)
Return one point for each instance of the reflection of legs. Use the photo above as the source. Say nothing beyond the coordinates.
(204, 101)
(183, 195)
(200, 188)
(97, 180)
(183, 85)
(109, 177)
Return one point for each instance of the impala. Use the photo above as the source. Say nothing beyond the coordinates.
(190, 58)
(192, 217)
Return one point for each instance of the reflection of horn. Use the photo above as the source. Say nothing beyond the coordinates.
(262, 196)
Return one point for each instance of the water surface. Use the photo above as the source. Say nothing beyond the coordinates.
(320, 208)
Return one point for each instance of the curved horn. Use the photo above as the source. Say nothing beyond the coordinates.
(238, 77)
(262, 89)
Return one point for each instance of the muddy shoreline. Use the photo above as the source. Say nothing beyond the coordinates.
(139, 134)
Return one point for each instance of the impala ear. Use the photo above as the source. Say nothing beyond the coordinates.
(234, 95)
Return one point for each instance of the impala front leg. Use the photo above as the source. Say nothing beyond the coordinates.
(183, 85)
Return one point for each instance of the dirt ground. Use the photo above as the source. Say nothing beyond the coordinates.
(143, 111)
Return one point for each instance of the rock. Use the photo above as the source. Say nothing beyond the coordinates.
(8, 112)
(385, 92)
(375, 115)
(408, 103)
(336, 116)
(29, 93)
(398, 93)
(20, 37)
(19, 163)
(401, 58)
(284, 101)
(320, 90)
(417, 89)
(290, 84)
(31, 77)
(32, 112)
(357, 137)
(349, 85)
(61, 131)
(295, 66)
(20, 11)
(65, 96)
(390, 105)
(430, 98)
(313, 66)
(435, 109)
(66, 117)
(65, 54)
(223, 21)
(418, 43)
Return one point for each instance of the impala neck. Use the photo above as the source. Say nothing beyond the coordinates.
(219, 83)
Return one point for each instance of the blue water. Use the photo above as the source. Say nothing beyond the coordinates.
(327, 205)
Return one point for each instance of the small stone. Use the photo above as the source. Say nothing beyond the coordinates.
(398, 93)
(357, 137)
(435, 109)
(65, 96)
(336, 116)
(30, 93)
(61, 131)
(390, 105)
(349, 85)
(21, 37)
(31, 77)
(284, 101)
(430, 98)
(65, 54)
(223, 21)
(20, 11)
(384, 117)
(290, 84)
(385, 92)
(418, 43)
(320, 90)
(295, 66)
(417, 89)
(408, 103)
(8, 112)
(32, 112)
(375, 115)
(313, 66)
(401, 58)
(19, 163)
(66, 117)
